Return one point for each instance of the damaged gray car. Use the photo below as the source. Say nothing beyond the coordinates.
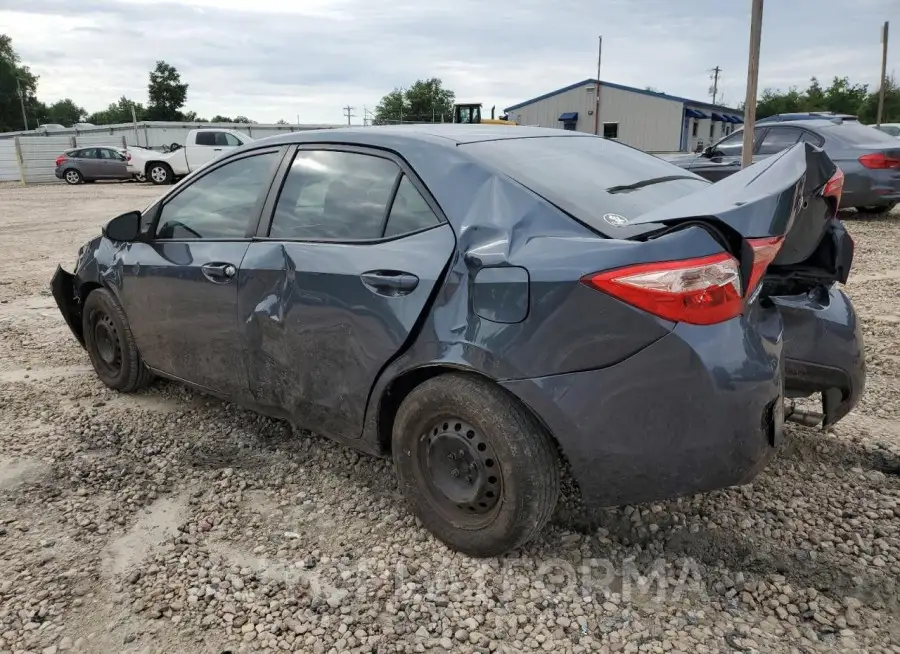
(479, 303)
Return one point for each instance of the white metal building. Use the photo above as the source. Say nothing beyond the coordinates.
(30, 156)
(651, 121)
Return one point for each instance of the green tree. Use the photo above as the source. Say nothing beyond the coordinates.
(65, 112)
(815, 96)
(845, 98)
(868, 111)
(424, 101)
(118, 112)
(16, 78)
(167, 93)
(773, 102)
(392, 108)
(244, 120)
(282, 121)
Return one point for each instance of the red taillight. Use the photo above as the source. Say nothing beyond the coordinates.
(699, 291)
(879, 161)
(60, 159)
(764, 252)
(835, 186)
(127, 156)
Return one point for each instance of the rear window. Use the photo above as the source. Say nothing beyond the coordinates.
(859, 134)
(575, 173)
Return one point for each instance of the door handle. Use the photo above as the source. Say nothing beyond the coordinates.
(390, 282)
(218, 273)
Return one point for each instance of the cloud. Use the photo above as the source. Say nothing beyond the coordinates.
(271, 59)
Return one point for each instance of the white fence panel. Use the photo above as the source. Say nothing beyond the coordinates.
(39, 155)
(9, 166)
(85, 140)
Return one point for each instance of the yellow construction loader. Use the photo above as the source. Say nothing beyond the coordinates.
(470, 114)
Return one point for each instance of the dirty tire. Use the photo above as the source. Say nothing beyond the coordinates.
(526, 459)
(160, 173)
(106, 330)
(73, 177)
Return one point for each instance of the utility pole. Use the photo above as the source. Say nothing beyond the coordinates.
(756, 14)
(348, 112)
(715, 86)
(884, 42)
(597, 95)
(22, 103)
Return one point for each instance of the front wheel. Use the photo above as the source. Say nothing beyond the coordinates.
(160, 173)
(110, 344)
(479, 471)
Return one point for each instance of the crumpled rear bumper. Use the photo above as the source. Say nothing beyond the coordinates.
(62, 285)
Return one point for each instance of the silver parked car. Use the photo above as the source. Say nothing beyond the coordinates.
(92, 163)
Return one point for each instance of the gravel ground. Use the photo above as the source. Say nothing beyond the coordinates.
(171, 522)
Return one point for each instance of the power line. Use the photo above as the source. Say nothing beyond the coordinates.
(348, 112)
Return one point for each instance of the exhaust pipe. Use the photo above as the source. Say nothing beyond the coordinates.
(492, 111)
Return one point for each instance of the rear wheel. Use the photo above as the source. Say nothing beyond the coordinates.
(73, 177)
(479, 471)
(160, 173)
(110, 344)
(880, 210)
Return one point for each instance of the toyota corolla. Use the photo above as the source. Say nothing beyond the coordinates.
(480, 303)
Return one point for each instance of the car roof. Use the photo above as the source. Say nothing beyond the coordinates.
(448, 134)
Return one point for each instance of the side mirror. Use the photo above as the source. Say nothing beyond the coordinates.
(124, 228)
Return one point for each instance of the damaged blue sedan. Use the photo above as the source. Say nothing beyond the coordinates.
(482, 304)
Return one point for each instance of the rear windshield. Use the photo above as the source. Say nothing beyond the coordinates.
(859, 134)
(576, 174)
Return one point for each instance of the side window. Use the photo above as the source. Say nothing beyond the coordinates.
(334, 195)
(106, 153)
(224, 139)
(778, 139)
(809, 137)
(206, 137)
(219, 204)
(88, 153)
(410, 212)
(732, 146)
(610, 130)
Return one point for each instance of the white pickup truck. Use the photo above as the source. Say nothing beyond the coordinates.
(201, 147)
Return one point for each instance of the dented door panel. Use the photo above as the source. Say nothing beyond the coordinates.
(318, 326)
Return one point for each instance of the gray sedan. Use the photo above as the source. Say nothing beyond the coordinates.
(90, 164)
(869, 158)
(470, 301)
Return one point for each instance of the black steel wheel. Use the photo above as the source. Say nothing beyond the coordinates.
(110, 344)
(459, 469)
(476, 467)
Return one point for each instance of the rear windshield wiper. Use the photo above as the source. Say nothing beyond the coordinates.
(647, 182)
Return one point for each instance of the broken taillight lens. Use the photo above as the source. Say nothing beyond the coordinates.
(834, 187)
(701, 291)
(60, 159)
(764, 252)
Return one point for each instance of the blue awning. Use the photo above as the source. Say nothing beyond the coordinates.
(737, 119)
(719, 117)
(568, 117)
(693, 113)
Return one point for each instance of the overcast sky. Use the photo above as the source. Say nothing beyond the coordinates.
(271, 59)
